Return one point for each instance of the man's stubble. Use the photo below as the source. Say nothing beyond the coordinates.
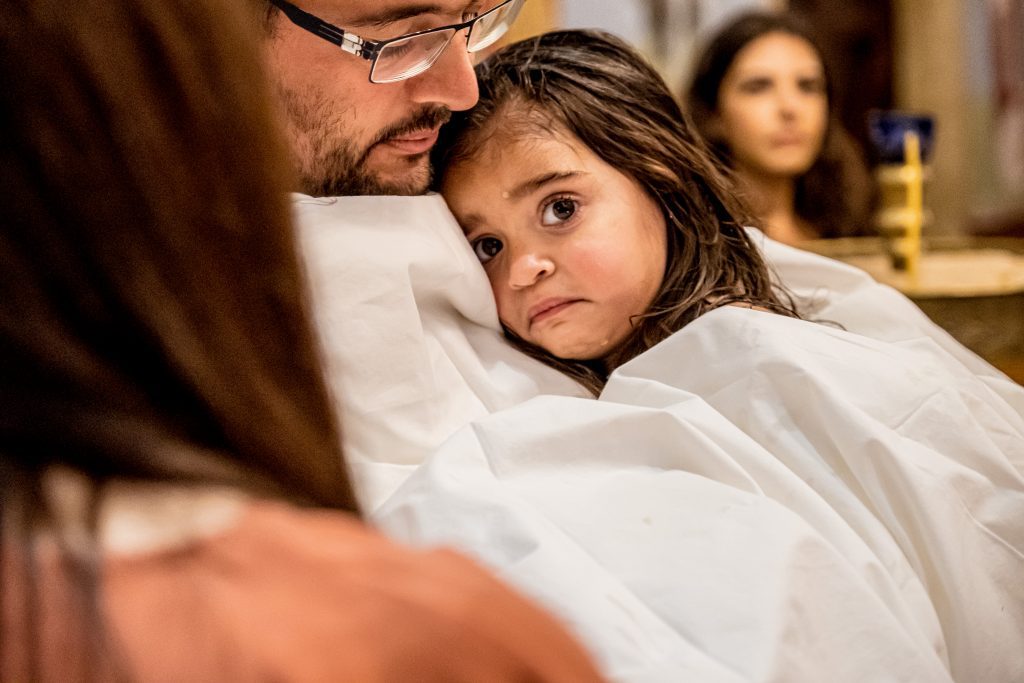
(330, 165)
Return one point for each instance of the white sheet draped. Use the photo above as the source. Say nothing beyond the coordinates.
(757, 498)
(410, 333)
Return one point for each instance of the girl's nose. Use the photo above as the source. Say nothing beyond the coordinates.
(528, 269)
(787, 101)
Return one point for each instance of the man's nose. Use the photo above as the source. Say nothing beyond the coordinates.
(451, 80)
(529, 268)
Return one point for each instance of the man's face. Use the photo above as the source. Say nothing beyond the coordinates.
(352, 137)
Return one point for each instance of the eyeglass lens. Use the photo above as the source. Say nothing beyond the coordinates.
(493, 25)
(406, 58)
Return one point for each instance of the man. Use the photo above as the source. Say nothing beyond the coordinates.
(364, 124)
(352, 136)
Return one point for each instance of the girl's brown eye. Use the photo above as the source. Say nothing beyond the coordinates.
(487, 248)
(812, 85)
(755, 85)
(559, 211)
(564, 209)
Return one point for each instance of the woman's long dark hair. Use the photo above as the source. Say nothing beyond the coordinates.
(596, 87)
(834, 195)
(153, 323)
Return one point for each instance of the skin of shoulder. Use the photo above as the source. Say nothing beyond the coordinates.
(313, 595)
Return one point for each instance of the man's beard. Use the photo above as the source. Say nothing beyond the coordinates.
(338, 169)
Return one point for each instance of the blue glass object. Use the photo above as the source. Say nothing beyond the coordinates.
(886, 129)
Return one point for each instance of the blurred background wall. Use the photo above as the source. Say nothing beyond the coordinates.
(959, 60)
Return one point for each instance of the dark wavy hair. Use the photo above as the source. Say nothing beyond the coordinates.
(834, 195)
(599, 89)
(153, 317)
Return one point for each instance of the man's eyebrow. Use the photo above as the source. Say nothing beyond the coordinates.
(391, 15)
(532, 184)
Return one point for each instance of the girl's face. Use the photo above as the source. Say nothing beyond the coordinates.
(573, 247)
(772, 106)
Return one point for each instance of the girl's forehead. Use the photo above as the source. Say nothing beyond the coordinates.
(776, 49)
(509, 161)
(521, 134)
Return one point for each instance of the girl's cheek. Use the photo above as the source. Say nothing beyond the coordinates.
(498, 282)
(502, 303)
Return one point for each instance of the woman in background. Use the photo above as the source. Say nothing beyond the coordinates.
(173, 499)
(762, 97)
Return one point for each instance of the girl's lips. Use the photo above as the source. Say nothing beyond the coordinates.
(414, 143)
(548, 309)
(788, 140)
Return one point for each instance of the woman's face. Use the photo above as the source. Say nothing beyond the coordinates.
(772, 106)
(573, 248)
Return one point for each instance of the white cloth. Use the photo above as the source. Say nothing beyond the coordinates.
(410, 333)
(757, 498)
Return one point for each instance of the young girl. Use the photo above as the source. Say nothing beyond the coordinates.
(602, 223)
(762, 96)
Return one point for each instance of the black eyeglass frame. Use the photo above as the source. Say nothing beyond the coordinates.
(364, 47)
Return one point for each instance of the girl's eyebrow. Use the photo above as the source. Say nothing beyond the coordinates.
(470, 221)
(527, 186)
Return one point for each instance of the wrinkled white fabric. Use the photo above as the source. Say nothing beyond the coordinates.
(411, 339)
(757, 498)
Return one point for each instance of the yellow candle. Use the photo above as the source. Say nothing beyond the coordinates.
(915, 201)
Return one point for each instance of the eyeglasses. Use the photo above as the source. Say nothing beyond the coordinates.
(406, 56)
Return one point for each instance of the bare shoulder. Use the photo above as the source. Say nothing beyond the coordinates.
(296, 594)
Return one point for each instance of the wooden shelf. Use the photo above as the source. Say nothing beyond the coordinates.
(981, 304)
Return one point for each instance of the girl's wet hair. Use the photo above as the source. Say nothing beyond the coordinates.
(600, 90)
(834, 195)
